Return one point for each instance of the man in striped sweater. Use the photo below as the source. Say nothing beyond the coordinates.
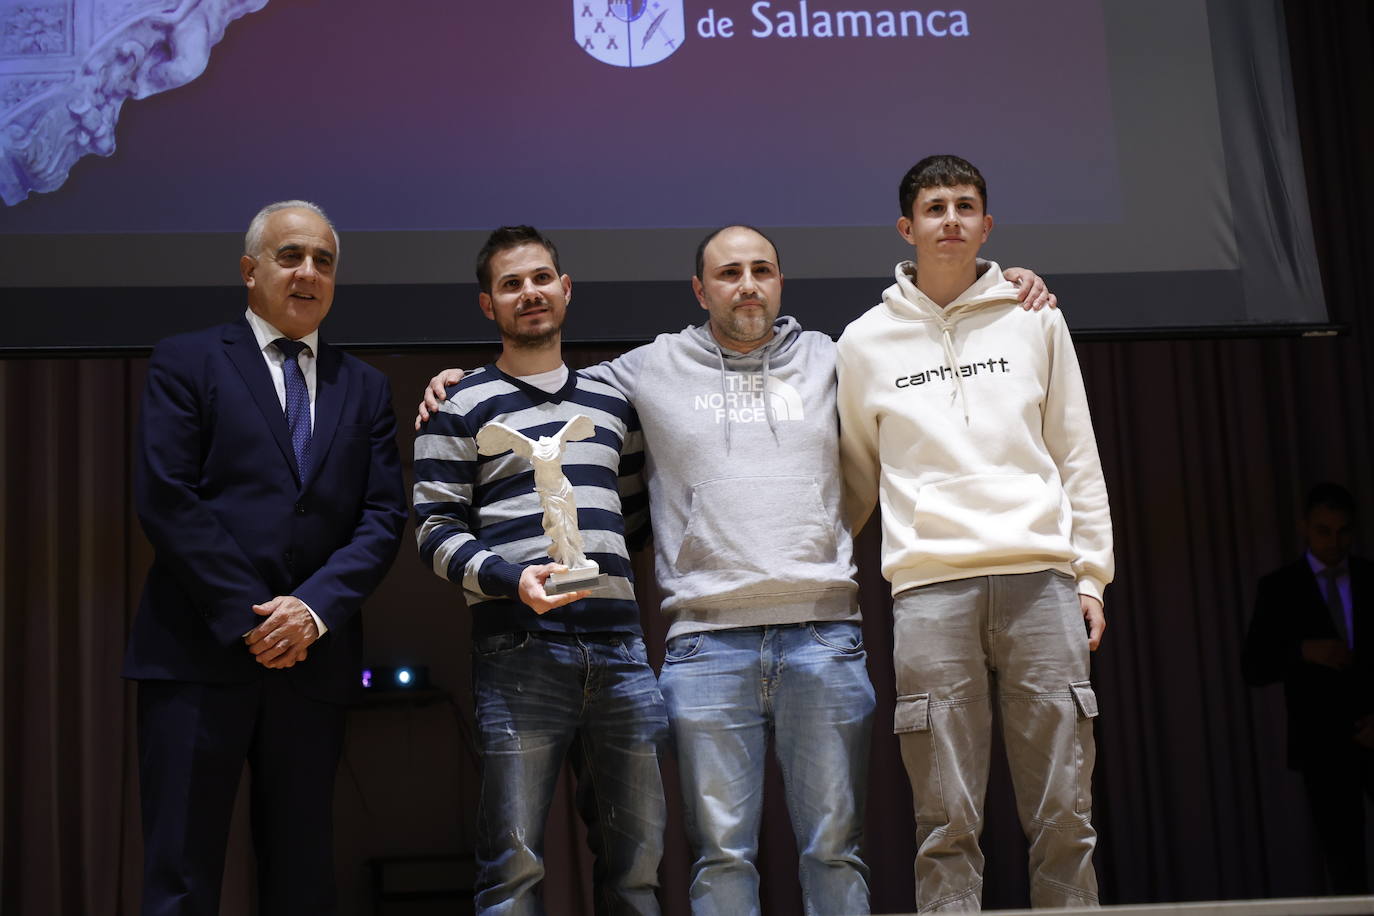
(555, 676)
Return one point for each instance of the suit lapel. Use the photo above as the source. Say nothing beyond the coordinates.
(1310, 586)
(1312, 619)
(331, 392)
(243, 351)
(1362, 601)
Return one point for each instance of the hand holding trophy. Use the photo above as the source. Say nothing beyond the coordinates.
(555, 495)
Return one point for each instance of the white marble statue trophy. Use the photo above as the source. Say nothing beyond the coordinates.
(556, 496)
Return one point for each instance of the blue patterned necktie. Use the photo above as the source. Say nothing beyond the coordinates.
(297, 401)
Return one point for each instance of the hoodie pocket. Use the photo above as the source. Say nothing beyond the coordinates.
(747, 529)
(992, 515)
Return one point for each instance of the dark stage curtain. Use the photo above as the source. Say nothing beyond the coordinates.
(1207, 446)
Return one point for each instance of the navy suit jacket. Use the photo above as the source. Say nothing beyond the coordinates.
(221, 499)
(1323, 703)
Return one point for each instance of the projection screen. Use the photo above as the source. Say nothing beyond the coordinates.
(1143, 157)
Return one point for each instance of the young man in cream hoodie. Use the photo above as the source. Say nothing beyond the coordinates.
(965, 416)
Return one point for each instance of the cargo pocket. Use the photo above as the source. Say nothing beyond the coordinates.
(1086, 752)
(912, 714)
(911, 725)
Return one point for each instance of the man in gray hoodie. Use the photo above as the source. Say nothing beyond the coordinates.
(756, 568)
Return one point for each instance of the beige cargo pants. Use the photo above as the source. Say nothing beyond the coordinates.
(960, 646)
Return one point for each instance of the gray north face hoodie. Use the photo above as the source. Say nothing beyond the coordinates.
(742, 465)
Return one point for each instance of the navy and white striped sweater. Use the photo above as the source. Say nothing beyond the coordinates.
(479, 521)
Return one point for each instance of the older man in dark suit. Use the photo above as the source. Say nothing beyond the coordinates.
(1313, 629)
(267, 480)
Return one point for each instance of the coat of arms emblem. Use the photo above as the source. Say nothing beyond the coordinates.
(628, 33)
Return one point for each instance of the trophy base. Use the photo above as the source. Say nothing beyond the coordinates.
(585, 578)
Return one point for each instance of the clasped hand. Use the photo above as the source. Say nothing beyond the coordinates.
(1329, 653)
(282, 639)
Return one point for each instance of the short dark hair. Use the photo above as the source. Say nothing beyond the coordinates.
(701, 249)
(1331, 496)
(504, 239)
(939, 172)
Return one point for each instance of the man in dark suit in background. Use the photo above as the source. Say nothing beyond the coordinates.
(1314, 629)
(267, 480)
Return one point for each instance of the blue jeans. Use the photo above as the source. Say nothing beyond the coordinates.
(807, 685)
(589, 698)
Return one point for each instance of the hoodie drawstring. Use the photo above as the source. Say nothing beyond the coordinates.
(767, 401)
(724, 397)
(904, 301)
(947, 338)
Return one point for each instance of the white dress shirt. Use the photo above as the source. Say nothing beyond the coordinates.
(265, 335)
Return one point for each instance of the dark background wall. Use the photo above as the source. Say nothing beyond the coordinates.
(1207, 447)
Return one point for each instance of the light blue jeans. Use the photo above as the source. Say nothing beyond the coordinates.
(807, 686)
(594, 700)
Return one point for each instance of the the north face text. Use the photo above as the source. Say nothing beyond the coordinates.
(743, 400)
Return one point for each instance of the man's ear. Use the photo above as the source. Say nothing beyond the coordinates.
(987, 226)
(904, 229)
(484, 301)
(247, 265)
(567, 288)
(699, 290)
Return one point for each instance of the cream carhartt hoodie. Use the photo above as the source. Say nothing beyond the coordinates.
(969, 426)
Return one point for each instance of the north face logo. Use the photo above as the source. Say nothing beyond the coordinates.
(743, 401)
